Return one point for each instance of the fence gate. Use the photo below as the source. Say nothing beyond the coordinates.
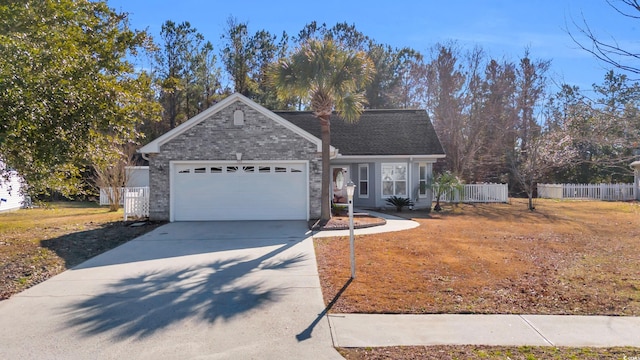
(136, 202)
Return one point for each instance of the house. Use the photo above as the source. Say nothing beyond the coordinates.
(240, 161)
(11, 198)
(636, 178)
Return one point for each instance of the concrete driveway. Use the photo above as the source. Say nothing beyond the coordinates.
(206, 290)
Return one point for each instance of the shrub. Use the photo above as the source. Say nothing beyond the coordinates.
(399, 202)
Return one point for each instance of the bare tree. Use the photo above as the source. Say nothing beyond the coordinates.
(446, 79)
(610, 52)
(605, 128)
(112, 172)
(545, 152)
(500, 113)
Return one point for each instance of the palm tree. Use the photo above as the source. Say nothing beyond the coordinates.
(445, 182)
(331, 79)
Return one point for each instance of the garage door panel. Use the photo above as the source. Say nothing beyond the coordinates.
(266, 191)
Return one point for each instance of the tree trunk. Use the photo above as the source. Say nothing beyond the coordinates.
(530, 195)
(325, 209)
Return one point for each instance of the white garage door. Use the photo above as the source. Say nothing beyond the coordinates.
(260, 191)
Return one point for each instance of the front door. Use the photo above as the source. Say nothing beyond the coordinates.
(339, 179)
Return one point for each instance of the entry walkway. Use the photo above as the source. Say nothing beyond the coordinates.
(394, 223)
(375, 330)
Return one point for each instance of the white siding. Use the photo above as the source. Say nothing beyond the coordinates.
(138, 176)
(10, 196)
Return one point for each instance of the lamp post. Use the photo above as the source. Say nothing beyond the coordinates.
(350, 189)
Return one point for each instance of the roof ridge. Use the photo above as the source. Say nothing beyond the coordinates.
(365, 110)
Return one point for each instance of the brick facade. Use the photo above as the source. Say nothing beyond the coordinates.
(216, 138)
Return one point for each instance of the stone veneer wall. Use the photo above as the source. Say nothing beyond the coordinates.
(217, 138)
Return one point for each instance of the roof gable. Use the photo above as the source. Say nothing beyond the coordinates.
(377, 132)
(154, 146)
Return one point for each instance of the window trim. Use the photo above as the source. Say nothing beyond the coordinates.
(406, 180)
(360, 181)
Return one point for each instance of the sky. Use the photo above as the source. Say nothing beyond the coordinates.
(503, 28)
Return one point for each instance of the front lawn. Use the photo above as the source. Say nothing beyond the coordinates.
(36, 244)
(566, 257)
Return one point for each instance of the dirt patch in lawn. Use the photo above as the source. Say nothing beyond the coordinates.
(487, 352)
(567, 257)
(36, 244)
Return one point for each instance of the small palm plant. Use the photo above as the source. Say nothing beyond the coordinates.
(399, 202)
(443, 183)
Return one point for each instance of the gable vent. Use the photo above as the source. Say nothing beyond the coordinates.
(238, 118)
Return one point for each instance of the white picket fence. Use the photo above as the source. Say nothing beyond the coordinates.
(104, 196)
(609, 192)
(478, 193)
(135, 201)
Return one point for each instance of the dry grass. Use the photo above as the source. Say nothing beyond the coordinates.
(567, 257)
(36, 244)
(488, 352)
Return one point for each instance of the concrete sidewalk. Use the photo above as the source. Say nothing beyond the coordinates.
(375, 330)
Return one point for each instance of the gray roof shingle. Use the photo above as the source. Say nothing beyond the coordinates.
(378, 132)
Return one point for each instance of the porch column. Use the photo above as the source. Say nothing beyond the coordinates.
(636, 178)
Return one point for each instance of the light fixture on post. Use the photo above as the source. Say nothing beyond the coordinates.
(350, 190)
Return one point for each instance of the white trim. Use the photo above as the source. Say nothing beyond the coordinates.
(173, 163)
(428, 158)
(426, 179)
(235, 162)
(172, 213)
(368, 181)
(154, 146)
(410, 178)
(307, 190)
(406, 181)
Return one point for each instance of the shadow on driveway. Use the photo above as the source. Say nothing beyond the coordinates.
(214, 285)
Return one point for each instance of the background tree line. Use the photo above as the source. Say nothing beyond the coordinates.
(66, 112)
(487, 112)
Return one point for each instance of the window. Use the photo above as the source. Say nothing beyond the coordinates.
(394, 180)
(280, 169)
(248, 169)
(363, 180)
(232, 169)
(264, 169)
(200, 170)
(422, 181)
(216, 169)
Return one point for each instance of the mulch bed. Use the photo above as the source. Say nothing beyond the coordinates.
(341, 222)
